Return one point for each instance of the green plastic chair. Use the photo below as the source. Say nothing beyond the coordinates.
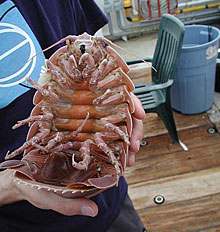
(155, 96)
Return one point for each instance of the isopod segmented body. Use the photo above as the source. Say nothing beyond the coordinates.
(80, 126)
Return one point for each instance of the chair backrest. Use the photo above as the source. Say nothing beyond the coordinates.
(168, 48)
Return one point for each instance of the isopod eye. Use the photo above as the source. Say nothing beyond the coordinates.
(82, 48)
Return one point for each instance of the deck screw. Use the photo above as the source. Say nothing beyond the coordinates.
(159, 199)
(211, 130)
(143, 143)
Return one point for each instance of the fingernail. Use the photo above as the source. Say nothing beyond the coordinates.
(138, 144)
(88, 211)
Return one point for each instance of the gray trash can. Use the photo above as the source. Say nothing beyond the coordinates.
(194, 79)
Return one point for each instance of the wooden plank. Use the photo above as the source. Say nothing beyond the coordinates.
(215, 229)
(153, 125)
(185, 216)
(140, 72)
(142, 79)
(176, 188)
(160, 145)
(171, 164)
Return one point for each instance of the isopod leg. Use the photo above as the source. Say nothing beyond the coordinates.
(87, 59)
(61, 137)
(85, 154)
(116, 129)
(104, 147)
(44, 92)
(70, 68)
(57, 139)
(45, 117)
(115, 78)
(59, 78)
(115, 95)
(65, 146)
(43, 132)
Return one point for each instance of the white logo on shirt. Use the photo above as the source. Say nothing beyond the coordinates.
(27, 66)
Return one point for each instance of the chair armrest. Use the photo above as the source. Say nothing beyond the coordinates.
(148, 59)
(147, 87)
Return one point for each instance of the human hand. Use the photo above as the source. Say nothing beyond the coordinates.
(11, 191)
(137, 133)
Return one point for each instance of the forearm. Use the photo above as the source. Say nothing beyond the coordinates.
(8, 192)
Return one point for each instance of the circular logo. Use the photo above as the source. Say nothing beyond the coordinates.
(17, 57)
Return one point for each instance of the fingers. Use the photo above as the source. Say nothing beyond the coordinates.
(136, 137)
(139, 112)
(137, 133)
(48, 200)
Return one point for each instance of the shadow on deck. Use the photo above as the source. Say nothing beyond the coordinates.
(188, 180)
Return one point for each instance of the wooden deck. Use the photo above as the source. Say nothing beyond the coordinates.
(188, 180)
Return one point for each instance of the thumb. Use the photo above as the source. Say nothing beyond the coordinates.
(78, 206)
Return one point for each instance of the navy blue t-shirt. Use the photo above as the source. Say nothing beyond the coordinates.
(20, 22)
